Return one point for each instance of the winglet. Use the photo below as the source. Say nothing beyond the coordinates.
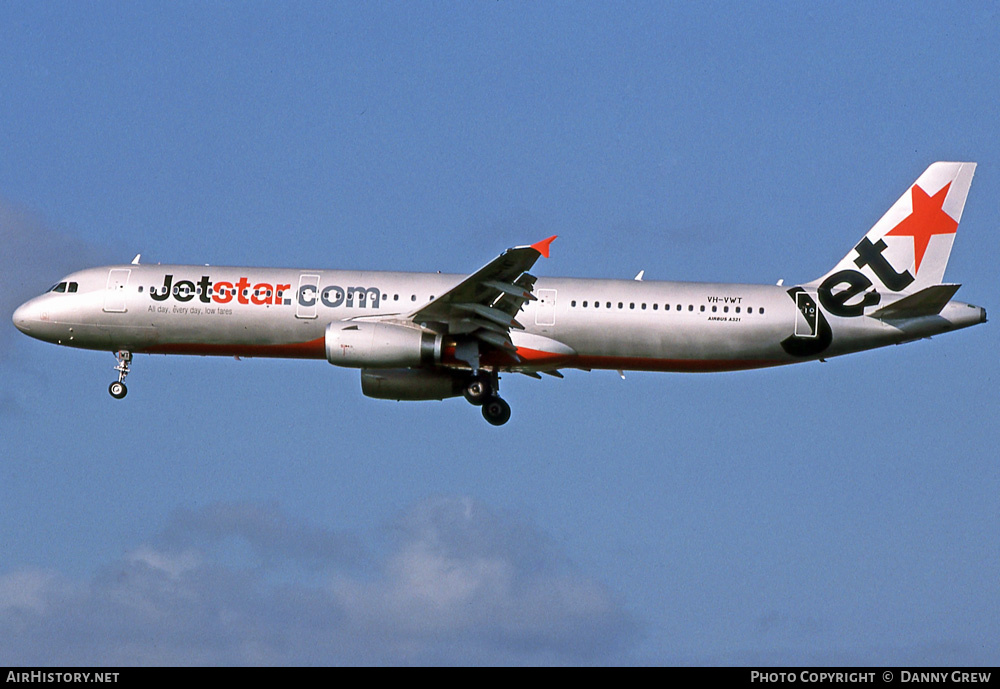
(542, 247)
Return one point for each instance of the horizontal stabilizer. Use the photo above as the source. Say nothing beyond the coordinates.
(927, 302)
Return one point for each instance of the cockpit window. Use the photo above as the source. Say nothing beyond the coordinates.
(61, 287)
(72, 287)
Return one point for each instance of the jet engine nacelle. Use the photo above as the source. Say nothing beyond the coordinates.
(411, 384)
(380, 345)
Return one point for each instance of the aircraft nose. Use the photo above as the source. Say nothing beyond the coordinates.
(23, 317)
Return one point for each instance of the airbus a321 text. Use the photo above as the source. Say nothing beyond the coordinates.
(428, 336)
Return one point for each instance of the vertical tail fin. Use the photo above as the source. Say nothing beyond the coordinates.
(907, 250)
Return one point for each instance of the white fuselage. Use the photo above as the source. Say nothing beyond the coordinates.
(581, 323)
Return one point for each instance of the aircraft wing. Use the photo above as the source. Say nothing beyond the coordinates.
(484, 305)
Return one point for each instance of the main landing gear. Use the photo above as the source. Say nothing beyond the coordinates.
(496, 411)
(118, 389)
(482, 390)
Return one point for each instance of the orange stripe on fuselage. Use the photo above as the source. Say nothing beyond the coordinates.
(314, 349)
(625, 363)
(534, 358)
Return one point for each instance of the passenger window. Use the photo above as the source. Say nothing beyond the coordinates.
(725, 309)
(573, 303)
(714, 309)
(584, 304)
(690, 307)
(644, 305)
(737, 309)
(608, 305)
(619, 305)
(631, 305)
(703, 308)
(655, 307)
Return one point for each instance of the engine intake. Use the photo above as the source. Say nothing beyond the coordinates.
(380, 345)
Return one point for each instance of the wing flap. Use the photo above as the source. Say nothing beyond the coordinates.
(509, 303)
(490, 314)
(496, 339)
(465, 326)
(511, 289)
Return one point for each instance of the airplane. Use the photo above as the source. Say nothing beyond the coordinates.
(428, 336)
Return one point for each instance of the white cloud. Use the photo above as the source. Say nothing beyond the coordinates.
(28, 591)
(173, 564)
(458, 584)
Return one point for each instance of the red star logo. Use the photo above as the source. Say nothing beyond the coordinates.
(926, 220)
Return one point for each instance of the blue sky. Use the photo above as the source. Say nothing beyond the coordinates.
(264, 511)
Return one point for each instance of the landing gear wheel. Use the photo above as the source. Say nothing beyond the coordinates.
(496, 411)
(118, 390)
(478, 391)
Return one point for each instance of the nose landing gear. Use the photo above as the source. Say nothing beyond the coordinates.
(118, 389)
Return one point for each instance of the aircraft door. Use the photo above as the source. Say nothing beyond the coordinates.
(114, 295)
(545, 307)
(306, 296)
(807, 316)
